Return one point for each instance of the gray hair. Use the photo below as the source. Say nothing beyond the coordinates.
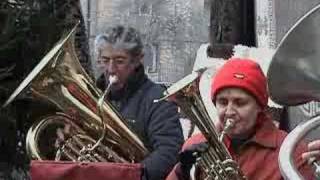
(126, 38)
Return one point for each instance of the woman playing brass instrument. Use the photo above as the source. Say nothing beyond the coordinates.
(239, 93)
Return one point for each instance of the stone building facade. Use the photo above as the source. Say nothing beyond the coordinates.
(172, 31)
(273, 24)
(275, 17)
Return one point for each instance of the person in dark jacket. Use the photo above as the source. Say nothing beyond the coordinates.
(119, 54)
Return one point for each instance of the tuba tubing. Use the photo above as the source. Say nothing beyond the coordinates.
(294, 79)
(286, 163)
(60, 81)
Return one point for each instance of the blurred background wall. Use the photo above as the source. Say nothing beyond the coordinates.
(172, 31)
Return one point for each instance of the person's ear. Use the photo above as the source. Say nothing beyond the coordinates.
(139, 59)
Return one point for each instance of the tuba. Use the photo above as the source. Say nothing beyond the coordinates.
(96, 133)
(294, 79)
(216, 163)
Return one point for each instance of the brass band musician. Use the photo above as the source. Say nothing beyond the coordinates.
(119, 54)
(239, 93)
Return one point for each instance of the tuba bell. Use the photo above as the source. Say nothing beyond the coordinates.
(294, 79)
(96, 133)
(216, 163)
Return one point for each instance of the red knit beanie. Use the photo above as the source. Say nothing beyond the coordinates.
(241, 73)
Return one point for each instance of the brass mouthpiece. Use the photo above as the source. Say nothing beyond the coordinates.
(113, 79)
(229, 124)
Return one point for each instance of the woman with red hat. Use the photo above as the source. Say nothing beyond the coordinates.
(239, 92)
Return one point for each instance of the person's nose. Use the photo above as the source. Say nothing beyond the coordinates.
(230, 111)
(111, 67)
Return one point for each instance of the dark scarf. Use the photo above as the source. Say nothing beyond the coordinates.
(133, 84)
(236, 144)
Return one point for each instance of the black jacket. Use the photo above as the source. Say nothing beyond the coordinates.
(157, 124)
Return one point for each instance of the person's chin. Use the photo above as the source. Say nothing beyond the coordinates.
(116, 87)
(236, 134)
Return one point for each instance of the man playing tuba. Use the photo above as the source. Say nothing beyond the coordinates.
(119, 54)
(239, 93)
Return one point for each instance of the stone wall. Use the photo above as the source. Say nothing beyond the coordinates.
(172, 31)
(287, 12)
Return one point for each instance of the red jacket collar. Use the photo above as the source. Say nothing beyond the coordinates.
(265, 134)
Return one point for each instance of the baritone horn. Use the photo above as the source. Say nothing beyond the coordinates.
(96, 132)
(294, 79)
(216, 163)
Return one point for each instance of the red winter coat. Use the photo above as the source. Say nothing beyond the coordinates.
(258, 157)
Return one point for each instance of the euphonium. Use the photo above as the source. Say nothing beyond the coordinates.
(294, 79)
(60, 81)
(216, 163)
